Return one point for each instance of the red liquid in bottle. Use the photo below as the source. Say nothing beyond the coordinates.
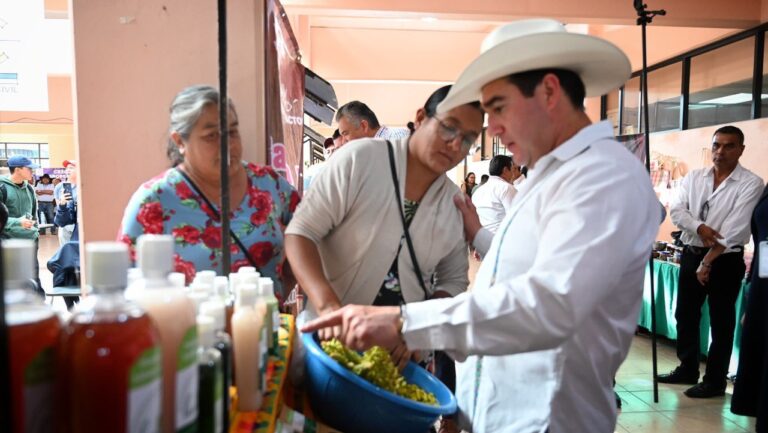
(97, 362)
(33, 355)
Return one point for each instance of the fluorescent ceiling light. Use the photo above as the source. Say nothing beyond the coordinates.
(736, 98)
(429, 19)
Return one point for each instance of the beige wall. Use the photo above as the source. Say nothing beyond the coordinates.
(131, 58)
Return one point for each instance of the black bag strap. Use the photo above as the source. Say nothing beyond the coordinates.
(408, 241)
(218, 215)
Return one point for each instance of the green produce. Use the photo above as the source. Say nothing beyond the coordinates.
(376, 366)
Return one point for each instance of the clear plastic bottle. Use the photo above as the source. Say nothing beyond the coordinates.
(33, 332)
(110, 361)
(223, 343)
(210, 394)
(174, 315)
(247, 327)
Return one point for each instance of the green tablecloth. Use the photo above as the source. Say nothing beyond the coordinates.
(666, 276)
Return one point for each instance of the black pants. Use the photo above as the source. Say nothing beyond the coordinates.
(721, 293)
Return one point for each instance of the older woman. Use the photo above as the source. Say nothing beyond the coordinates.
(347, 243)
(184, 200)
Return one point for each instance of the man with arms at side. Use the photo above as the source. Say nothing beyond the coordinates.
(547, 325)
(713, 208)
(494, 198)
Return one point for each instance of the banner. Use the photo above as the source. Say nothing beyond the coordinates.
(23, 71)
(284, 96)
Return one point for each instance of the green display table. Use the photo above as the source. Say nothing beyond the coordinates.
(666, 276)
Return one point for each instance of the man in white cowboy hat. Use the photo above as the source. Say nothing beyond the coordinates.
(555, 302)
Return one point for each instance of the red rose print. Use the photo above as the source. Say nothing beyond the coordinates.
(233, 248)
(187, 234)
(212, 237)
(185, 267)
(151, 217)
(261, 253)
(131, 248)
(262, 202)
(239, 264)
(294, 201)
(183, 191)
(208, 211)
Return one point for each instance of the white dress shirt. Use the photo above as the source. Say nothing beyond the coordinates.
(558, 319)
(729, 206)
(492, 201)
(392, 134)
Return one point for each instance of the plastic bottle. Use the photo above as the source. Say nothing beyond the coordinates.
(210, 394)
(206, 276)
(267, 288)
(223, 343)
(178, 279)
(247, 270)
(247, 324)
(33, 332)
(174, 315)
(199, 292)
(110, 361)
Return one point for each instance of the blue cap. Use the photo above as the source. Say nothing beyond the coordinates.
(21, 161)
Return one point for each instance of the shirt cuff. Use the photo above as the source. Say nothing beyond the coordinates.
(424, 326)
(482, 242)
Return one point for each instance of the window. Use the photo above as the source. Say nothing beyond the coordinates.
(612, 110)
(499, 148)
(721, 85)
(630, 115)
(664, 85)
(37, 152)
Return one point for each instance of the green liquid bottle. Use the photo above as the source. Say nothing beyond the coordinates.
(210, 399)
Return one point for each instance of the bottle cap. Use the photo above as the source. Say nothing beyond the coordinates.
(267, 287)
(201, 287)
(216, 310)
(134, 275)
(108, 264)
(247, 270)
(205, 331)
(18, 259)
(206, 276)
(155, 255)
(178, 279)
(249, 279)
(221, 287)
(247, 294)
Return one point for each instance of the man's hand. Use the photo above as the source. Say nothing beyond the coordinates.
(400, 355)
(332, 331)
(362, 327)
(27, 223)
(65, 198)
(702, 274)
(469, 215)
(708, 235)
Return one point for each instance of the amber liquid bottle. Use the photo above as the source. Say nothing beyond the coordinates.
(33, 338)
(110, 362)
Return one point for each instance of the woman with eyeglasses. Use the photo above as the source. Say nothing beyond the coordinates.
(347, 243)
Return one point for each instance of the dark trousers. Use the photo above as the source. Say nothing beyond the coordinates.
(721, 293)
(46, 208)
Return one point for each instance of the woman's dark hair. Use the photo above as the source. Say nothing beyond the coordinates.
(430, 107)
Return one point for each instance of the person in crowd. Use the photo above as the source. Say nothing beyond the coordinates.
(483, 179)
(356, 120)
(338, 141)
(184, 201)
(494, 199)
(66, 232)
(750, 392)
(546, 326)
(469, 184)
(19, 197)
(331, 145)
(712, 207)
(346, 242)
(523, 176)
(44, 191)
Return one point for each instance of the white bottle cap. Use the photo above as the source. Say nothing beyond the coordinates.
(234, 281)
(134, 275)
(178, 279)
(18, 259)
(267, 287)
(247, 270)
(201, 287)
(216, 310)
(249, 279)
(205, 331)
(247, 294)
(221, 287)
(108, 264)
(206, 276)
(155, 255)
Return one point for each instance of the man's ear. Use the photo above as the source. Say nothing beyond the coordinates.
(364, 125)
(552, 92)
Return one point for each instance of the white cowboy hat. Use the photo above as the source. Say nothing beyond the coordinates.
(537, 44)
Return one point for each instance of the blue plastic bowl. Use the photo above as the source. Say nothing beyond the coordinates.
(349, 403)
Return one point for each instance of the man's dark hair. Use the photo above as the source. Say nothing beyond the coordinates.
(355, 111)
(524, 171)
(498, 163)
(430, 107)
(13, 169)
(569, 81)
(336, 134)
(731, 130)
(484, 178)
(328, 143)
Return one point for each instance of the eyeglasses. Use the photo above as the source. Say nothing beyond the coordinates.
(704, 212)
(449, 133)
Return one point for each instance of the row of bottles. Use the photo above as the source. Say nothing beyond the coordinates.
(154, 357)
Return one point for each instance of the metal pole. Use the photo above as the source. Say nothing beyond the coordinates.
(224, 134)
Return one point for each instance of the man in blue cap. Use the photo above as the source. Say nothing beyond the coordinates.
(19, 197)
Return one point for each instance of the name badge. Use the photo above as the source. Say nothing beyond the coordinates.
(762, 269)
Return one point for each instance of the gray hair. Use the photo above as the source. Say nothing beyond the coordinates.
(355, 111)
(186, 109)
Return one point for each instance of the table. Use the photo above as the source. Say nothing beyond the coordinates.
(666, 276)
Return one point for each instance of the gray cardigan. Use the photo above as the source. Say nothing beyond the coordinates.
(351, 214)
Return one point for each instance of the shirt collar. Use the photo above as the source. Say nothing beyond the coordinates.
(582, 140)
(736, 174)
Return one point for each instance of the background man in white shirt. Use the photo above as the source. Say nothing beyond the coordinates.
(713, 208)
(357, 120)
(494, 198)
(554, 306)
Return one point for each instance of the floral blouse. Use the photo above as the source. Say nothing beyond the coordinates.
(168, 204)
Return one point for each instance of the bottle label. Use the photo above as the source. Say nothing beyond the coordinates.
(145, 393)
(38, 392)
(218, 394)
(187, 383)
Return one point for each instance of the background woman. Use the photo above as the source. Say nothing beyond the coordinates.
(469, 184)
(184, 201)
